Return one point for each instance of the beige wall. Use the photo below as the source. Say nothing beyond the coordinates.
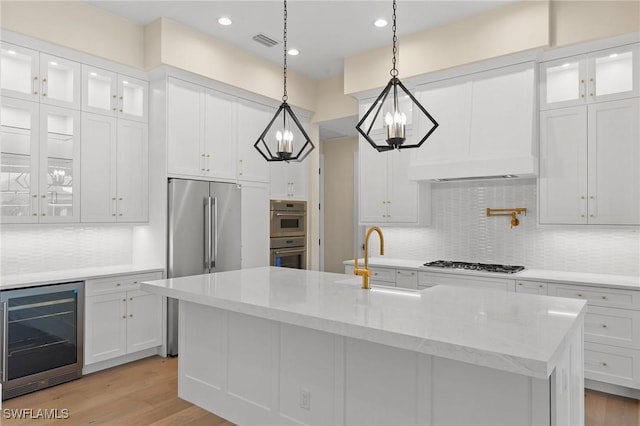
(338, 176)
(579, 21)
(511, 29)
(331, 102)
(77, 25)
(199, 53)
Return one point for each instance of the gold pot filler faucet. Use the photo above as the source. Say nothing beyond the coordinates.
(365, 273)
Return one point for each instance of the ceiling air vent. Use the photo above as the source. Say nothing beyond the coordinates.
(265, 40)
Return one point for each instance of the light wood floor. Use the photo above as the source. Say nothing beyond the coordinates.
(145, 393)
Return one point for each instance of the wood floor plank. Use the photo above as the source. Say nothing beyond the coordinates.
(144, 393)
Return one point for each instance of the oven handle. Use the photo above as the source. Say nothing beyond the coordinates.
(291, 214)
(289, 251)
(4, 340)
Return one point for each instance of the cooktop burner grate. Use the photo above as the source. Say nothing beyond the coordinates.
(484, 267)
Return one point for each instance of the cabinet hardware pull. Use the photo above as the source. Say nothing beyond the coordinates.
(604, 325)
(591, 80)
(519, 283)
(120, 214)
(124, 300)
(581, 81)
(131, 298)
(208, 170)
(581, 215)
(208, 155)
(118, 285)
(590, 94)
(604, 297)
(34, 85)
(203, 155)
(44, 214)
(135, 282)
(604, 364)
(579, 294)
(113, 214)
(582, 95)
(541, 286)
(130, 315)
(124, 317)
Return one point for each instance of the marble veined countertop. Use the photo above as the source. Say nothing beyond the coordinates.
(68, 275)
(523, 334)
(604, 280)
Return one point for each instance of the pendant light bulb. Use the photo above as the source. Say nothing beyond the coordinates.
(279, 136)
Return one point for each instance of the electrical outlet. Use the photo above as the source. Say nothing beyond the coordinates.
(305, 399)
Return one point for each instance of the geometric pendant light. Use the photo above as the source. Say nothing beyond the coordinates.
(284, 138)
(386, 119)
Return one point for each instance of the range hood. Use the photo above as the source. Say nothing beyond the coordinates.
(470, 169)
(486, 127)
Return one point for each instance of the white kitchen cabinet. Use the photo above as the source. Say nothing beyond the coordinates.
(253, 118)
(30, 75)
(603, 75)
(114, 170)
(108, 93)
(429, 279)
(40, 163)
(201, 131)
(254, 217)
(406, 278)
(386, 193)
(119, 318)
(590, 164)
(531, 287)
(289, 180)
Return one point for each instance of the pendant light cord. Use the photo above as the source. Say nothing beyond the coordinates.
(284, 96)
(394, 70)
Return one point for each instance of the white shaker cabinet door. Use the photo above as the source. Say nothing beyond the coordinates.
(563, 166)
(105, 327)
(220, 136)
(563, 82)
(144, 320)
(254, 224)
(132, 172)
(133, 97)
(373, 184)
(99, 91)
(185, 128)
(614, 162)
(253, 118)
(98, 170)
(60, 81)
(402, 194)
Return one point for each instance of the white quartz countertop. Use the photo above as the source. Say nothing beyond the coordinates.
(54, 277)
(518, 333)
(604, 280)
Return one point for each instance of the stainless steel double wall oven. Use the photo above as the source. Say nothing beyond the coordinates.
(288, 234)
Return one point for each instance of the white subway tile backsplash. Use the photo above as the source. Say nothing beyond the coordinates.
(460, 230)
(37, 248)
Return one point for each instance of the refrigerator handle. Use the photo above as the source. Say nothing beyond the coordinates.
(214, 231)
(207, 233)
(4, 340)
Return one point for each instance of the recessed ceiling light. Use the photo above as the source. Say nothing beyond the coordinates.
(224, 21)
(293, 52)
(380, 23)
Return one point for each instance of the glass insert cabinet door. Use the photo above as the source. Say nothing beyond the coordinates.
(117, 95)
(19, 72)
(59, 165)
(60, 81)
(563, 82)
(19, 148)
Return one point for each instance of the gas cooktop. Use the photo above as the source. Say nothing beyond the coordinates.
(483, 267)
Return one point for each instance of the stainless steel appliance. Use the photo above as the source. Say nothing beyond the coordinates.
(289, 252)
(204, 236)
(484, 267)
(288, 218)
(42, 337)
(288, 229)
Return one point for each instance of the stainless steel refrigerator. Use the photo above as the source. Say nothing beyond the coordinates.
(204, 236)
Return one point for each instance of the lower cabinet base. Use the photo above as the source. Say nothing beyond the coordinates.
(251, 370)
(124, 359)
(612, 389)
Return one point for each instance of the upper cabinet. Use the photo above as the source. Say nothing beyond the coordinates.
(30, 75)
(252, 120)
(40, 163)
(289, 180)
(604, 75)
(108, 93)
(201, 127)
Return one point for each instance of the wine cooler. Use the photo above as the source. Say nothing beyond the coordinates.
(41, 335)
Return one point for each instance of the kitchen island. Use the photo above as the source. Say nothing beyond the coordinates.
(285, 346)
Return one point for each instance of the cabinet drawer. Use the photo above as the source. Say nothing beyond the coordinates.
(381, 283)
(383, 274)
(613, 365)
(598, 296)
(119, 283)
(428, 279)
(610, 326)
(531, 287)
(406, 279)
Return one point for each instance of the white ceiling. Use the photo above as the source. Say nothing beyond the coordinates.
(325, 32)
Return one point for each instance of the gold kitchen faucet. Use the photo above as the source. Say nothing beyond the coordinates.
(365, 272)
